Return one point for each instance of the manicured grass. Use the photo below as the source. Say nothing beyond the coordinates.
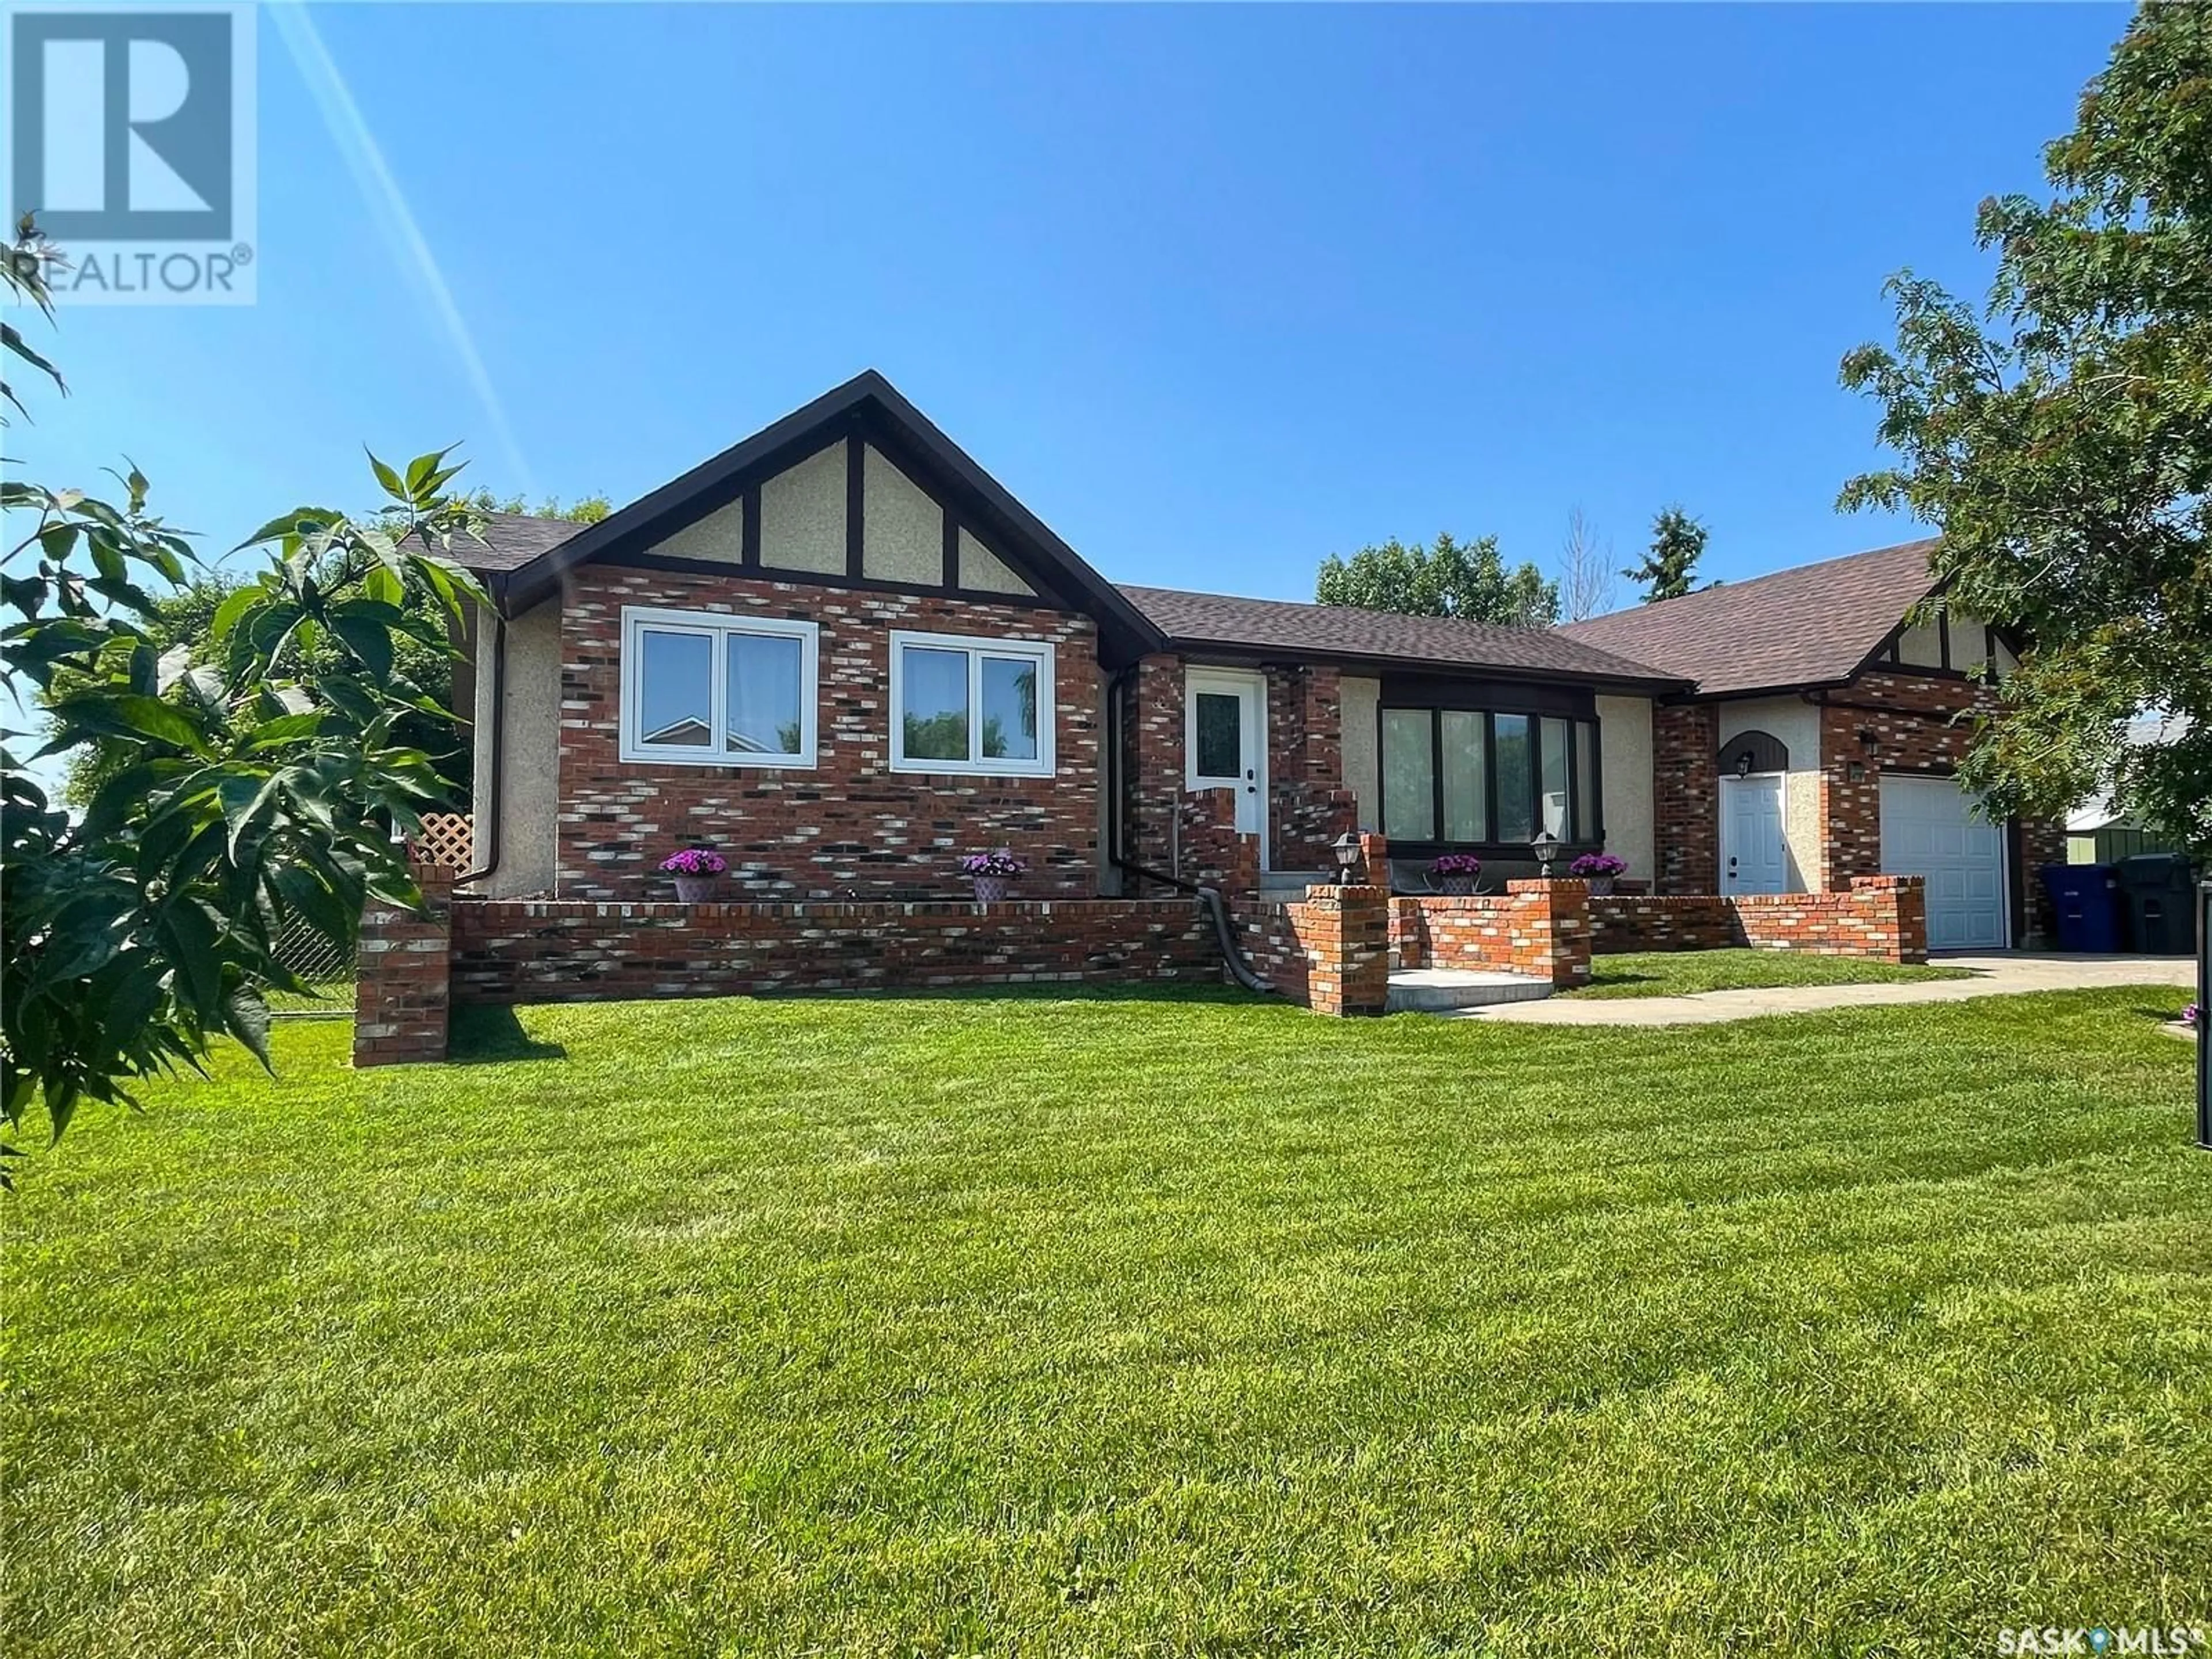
(1106, 1327)
(1686, 973)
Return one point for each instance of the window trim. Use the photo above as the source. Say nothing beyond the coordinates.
(632, 748)
(978, 647)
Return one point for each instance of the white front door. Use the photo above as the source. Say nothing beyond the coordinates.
(1929, 829)
(1225, 742)
(1753, 857)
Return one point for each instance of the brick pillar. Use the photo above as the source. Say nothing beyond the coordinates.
(1374, 859)
(1892, 914)
(1554, 917)
(400, 1006)
(1346, 934)
(1686, 791)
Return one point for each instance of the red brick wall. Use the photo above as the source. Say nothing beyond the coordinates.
(1884, 917)
(849, 827)
(1152, 762)
(567, 950)
(1214, 852)
(1309, 806)
(1920, 725)
(1646, 921)
(1686, 812)
(1269, 934)
(400, 998)
(1539, 928)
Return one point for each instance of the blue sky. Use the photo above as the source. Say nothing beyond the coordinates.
(1215, 290)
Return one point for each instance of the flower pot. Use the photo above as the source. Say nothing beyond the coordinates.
(989, 890)
(1459, 885)
(695, 890)
(1600, 883)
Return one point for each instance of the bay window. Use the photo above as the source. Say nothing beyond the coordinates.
(706, 689)
(961, 703)
(1477, 777)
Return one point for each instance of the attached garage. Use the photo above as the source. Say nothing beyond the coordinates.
(1929, 828)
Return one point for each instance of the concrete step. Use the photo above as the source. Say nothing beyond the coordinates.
(1289, 886)
(1442, 990)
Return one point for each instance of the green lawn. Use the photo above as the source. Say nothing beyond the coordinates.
(1109, 1327)
(1685, 972)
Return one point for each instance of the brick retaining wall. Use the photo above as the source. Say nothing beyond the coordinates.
(1883, 917)
(1539, 928)
(561, 951)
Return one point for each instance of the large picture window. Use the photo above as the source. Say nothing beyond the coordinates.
(703, 689)
(1476, 777)
(964, 704)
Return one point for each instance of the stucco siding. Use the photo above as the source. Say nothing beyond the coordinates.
(803, 515)
(1363, 772)
(530, 786)
(1623, 728)
(720, 537)
(982, 571)
(1921, 646)
(1796, 725)
(902, 526)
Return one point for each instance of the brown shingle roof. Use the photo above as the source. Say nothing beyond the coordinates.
(511, 540)
(1341, 631)
(1812, 625)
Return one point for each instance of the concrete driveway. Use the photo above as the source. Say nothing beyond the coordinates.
(2007, 973)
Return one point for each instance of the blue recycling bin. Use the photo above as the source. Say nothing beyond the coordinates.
(2087, 900)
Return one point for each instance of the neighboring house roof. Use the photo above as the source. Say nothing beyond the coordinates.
(1383, 638)
(512, 540)
(1813, 625)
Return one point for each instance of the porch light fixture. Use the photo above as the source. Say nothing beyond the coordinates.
(1346, 846)
(1545, 847)
(1743, 764)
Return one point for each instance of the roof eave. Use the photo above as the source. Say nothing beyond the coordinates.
(1641, 685)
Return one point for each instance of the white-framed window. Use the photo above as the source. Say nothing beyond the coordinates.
(964, 703)
(701, 688)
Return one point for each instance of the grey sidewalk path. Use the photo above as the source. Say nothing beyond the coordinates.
(2007, 974)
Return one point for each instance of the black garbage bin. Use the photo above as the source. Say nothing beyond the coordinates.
(2156, 903)
(2085, 899)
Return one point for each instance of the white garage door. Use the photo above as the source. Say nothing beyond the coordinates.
(1929, 829)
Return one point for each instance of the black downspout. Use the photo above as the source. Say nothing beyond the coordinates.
(484, 818)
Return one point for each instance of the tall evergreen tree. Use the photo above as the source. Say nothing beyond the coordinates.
(1669, 569)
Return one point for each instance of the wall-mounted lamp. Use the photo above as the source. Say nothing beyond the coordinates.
(1743, 764)
(1867, 739)
(1346, 846)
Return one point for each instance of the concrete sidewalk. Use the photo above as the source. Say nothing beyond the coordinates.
(2007, 974)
